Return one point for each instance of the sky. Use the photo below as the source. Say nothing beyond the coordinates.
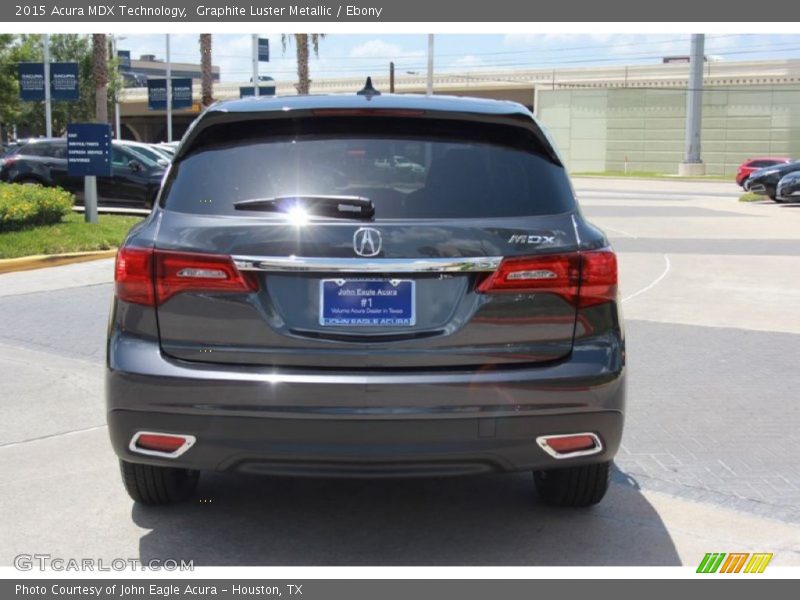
(361, 55)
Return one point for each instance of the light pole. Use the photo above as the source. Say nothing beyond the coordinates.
(117, 126)
(430, 65)
(169, 94)
(255, 64)
(692, 163)
(48, 104)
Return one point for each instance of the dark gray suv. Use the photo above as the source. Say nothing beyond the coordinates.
(300, 302)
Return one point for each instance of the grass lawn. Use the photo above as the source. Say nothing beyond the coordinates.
(751, 197)
(70, 235)
(651, 175)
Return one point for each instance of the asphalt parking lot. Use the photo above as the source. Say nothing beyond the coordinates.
(709, 460)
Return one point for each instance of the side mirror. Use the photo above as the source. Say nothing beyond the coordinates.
(135, 166)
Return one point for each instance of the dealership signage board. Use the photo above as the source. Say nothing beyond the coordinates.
(124, 59)
(263, 90)
(263, 49)
(157, 93)
(31, 81)
(63, 81)
(182, 92)
(89, 149)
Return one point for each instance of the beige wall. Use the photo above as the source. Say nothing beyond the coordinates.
(596, 129)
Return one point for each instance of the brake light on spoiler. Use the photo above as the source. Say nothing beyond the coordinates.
(151, 277)
(582, 278)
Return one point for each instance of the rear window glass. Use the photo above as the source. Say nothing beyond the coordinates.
(407, 168)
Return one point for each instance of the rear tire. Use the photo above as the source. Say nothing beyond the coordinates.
(573, 486)
(155, 486)
(29, 181)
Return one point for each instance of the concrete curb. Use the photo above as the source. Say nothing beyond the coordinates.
(41, 261)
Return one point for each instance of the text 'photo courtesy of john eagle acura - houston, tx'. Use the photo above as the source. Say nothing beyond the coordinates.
(378, 285)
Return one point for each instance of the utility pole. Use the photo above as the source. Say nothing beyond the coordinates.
(391, 78)
(692, 163)
(169, 94)
(255, 64)
(430, 65)
(48, 103)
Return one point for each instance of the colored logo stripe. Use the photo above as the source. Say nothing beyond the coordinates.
(734, 562)
(713, 562)
(758, 563)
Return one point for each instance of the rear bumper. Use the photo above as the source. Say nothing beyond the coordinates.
(258, 420)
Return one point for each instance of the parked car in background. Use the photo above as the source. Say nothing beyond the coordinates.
(134, 180)
(133, 79)
(151, 151)
(789, 188)
(751, 165)
(270, 318)
(167, 148)
(765, 181)
(11, 147)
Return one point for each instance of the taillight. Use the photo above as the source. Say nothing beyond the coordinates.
(583, 279)
(598, 277)
(133, 276)
(553, 273)
(178, 272)
(150, 277)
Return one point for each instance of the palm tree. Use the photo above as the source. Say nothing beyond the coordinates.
(301, 41)
(207, 82)
(100, 75)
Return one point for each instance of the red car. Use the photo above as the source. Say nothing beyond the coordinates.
(754, 164)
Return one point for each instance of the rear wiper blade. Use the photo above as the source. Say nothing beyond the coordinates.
(340, 207)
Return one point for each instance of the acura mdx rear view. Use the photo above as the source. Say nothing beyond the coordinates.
(366, 286)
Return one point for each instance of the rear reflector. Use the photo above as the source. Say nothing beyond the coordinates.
(151, 277)
(161, 444)
(581, 278)
(570, 445)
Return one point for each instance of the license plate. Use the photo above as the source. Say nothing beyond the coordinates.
(367, 302)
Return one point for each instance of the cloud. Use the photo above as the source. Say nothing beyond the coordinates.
(522, 41)
(468, 61)
(379, 49)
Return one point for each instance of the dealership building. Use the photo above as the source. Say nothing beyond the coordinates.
(603, 119)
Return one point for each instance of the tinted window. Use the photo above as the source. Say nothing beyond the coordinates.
(44, 149)
(122, 157)
(411, 169)
(152, 154)
(758, 164)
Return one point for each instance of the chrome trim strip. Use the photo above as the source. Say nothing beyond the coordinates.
(542, 442)
(367, 265)
(188, 443)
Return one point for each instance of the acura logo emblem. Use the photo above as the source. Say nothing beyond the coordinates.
(367, 241)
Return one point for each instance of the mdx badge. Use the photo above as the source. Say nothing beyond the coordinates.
(532, 239)
(367, 241)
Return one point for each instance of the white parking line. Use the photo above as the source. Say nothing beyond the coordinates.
(54, 435)
(652, 283)
(622, 231)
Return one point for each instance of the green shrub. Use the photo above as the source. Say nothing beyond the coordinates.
(24, 206)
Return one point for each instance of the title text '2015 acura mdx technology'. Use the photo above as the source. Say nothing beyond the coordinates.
(293, 306)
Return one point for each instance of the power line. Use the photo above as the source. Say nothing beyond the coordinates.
(638, 44)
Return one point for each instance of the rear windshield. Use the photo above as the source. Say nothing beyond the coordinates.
(407, 168)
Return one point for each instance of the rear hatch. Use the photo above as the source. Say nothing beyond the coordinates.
(348, 258)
